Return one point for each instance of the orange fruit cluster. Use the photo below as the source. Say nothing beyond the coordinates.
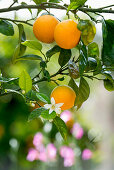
(48, 29)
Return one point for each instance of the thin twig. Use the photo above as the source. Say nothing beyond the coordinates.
(8, 19)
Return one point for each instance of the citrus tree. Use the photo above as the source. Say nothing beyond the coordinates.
(70, 35)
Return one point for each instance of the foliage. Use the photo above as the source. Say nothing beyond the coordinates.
(87, 65)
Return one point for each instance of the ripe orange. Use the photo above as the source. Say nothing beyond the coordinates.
(66, 34)
(44, 27)
(64, 94)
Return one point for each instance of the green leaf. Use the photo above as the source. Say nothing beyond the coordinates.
(98, 68)
(93, 50)
(74, 86)
(39, 1)
(55, 1)
(7, 80)
(61, 126)
(25, 81)
(29, 57)
(53, 51)
(108, 43)
(73, 70)
(20, 49)
(36, 113)
(32, 95)
(107, 74)
(76, 4)
(23, 3)
(61, 79)
(36, 45)
(109, 85)
(91, 64)
(64, 57)
(46, 75)
(88, 30)
(14, 91)
(6, 28)
(45, 115)
(43, 97)
(83, 92)
(82, 58)
(43, 64)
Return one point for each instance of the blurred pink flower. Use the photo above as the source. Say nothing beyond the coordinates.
(32, 155)
(86, 154)
(77, 131)
(43, 156)
(68, 154)
(38, 139)
(68, 162)
(66, 116)
(51, 152)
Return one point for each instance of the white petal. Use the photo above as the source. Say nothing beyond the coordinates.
(50, 111)
(58, 110)
(47, 106)
(59, 105)
(52, 101)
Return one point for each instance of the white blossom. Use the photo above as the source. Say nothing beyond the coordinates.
(53, 106)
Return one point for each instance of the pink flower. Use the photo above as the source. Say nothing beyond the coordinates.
(77, 131)
(66, 116)
(43, 156)
(68, 154)
(51, 152)
(38, 139)
(68, 162)
(32, 155)
(86, 154)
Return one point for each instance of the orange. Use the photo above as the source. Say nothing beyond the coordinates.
(64, 94)
(66, 34)
(44, 27)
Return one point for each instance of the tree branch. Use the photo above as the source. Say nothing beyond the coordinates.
(56, 6)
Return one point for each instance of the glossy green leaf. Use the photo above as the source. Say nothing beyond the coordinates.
(36, 45)
(35, 113)
(82, 58)
(91, 64)
(14, 91)
(107, 74)
(76, 4)
(29, 57)
(83, 92)
(43, 97)
(45, 115)
(109, 85)
(88, 30)
(108, 43)
(53, 51)
(93, 50)
(74, 86)
(25, 81)
(64, 56)
(6, 28)
(7, 80)
(61, 126)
